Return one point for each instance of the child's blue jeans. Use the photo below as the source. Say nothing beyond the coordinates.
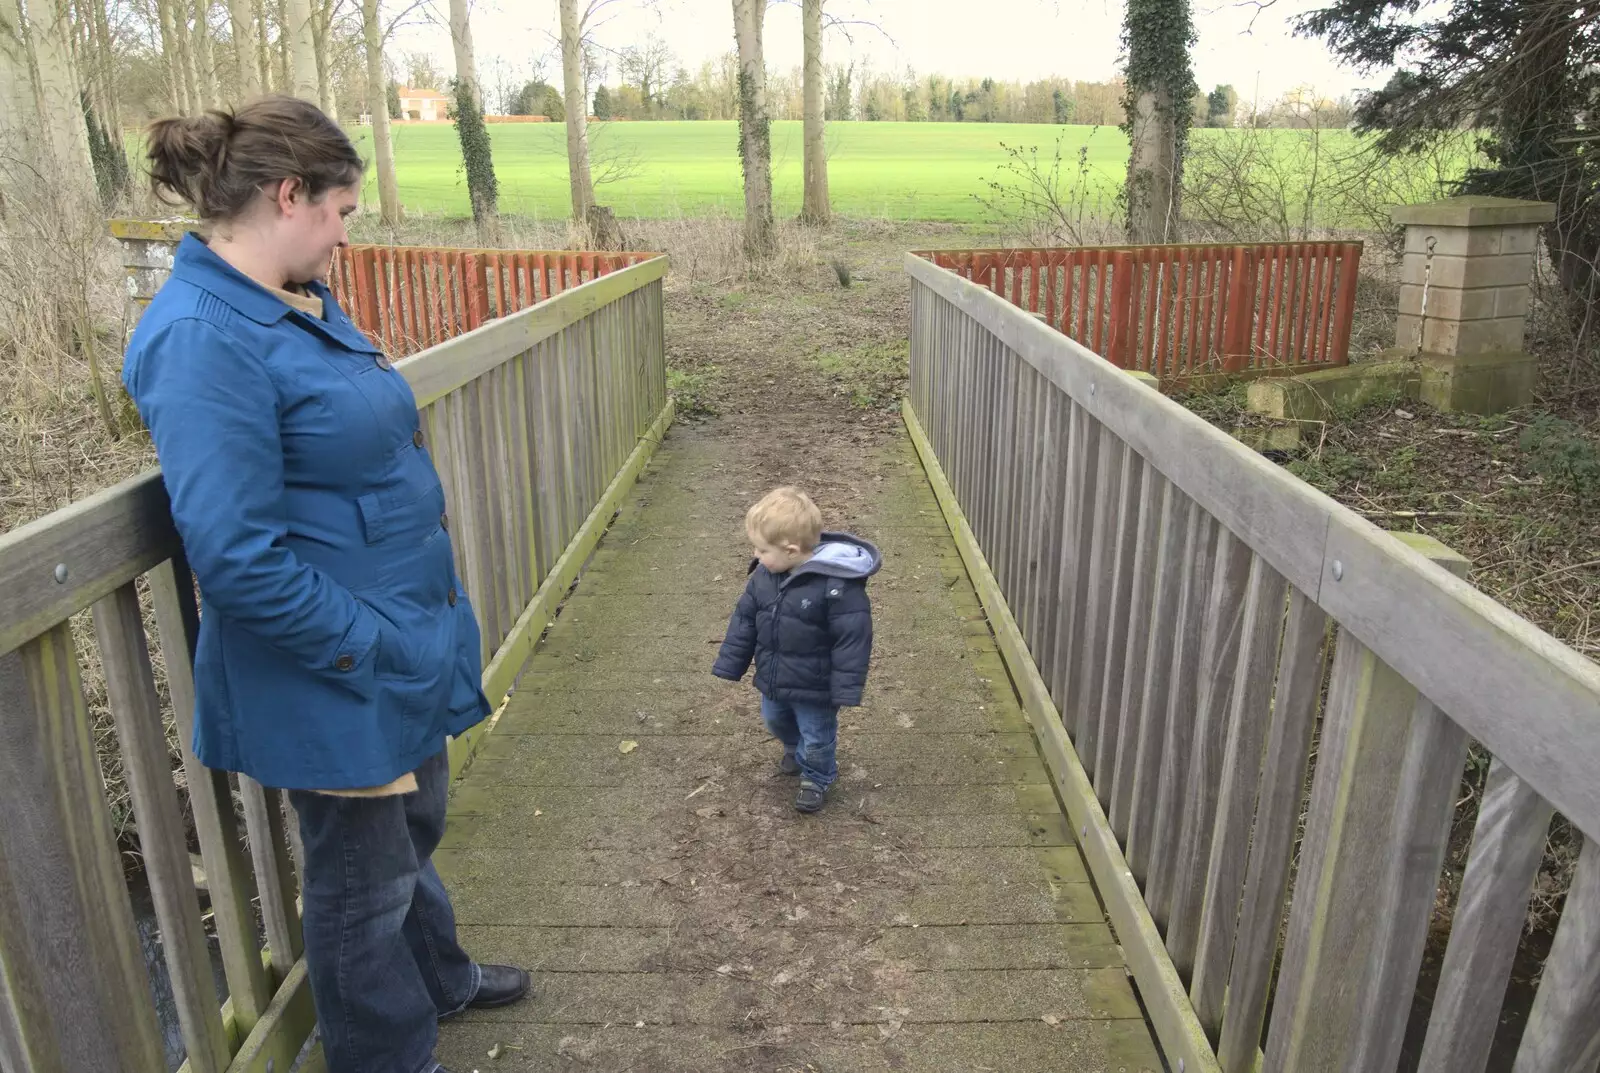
(810, 734)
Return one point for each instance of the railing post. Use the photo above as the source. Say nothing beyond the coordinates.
(76, 996)
(1123, 317)
(1387, 768)
(148, 247)
(1464, 293)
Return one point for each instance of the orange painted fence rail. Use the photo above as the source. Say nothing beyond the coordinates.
(1180, 311)
(408, 298)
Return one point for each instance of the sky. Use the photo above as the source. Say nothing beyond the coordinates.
(1251, 48)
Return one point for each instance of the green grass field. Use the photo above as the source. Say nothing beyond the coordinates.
(923, 171)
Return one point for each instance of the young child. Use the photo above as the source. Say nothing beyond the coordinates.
(805, 619)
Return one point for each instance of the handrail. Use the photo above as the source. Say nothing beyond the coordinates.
(537, 423)
(1163, 596)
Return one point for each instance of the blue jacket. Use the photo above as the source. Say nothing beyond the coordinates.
(808, 630)
(337, 647)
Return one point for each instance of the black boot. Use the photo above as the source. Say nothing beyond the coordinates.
(501, 986)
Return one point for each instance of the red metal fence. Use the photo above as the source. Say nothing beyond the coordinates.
(1184, 311)
(408, 298)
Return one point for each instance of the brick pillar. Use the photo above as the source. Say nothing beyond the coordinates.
(1464, 292)
(148, 247)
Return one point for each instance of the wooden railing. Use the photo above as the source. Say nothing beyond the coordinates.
(1178, 312)
(537, 423)
(1166, 600)
(408, 298)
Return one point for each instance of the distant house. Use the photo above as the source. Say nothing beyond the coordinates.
(427, 105)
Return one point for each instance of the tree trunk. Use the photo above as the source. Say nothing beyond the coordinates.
(816, 209)
(1157, 36)
(577, 106)
(378, 105)
(263, 46)
(1152, 188)
(461, 42)
(18, 110)
(177, 88)
(104, 63)
(322, 41)
(302, 49)
(205, 68)
(56, 89)
(245, 58)
(476, 151)
(285, 72)
(755, 134)
(184, 37)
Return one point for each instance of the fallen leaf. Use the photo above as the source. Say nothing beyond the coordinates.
(538, 812)
(708, 812)
(495, 1051)
(627, 747)
(1051, 1019)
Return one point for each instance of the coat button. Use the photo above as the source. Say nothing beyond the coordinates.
(383, 362)
(345, 663)
(452, 597)
(444, 522)
(416, 437)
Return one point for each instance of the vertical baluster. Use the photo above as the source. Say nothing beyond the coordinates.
(1153, 491)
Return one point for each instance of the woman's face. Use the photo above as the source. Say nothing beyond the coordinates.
(312, 228)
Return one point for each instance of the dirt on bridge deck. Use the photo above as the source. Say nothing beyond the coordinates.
(625, 833)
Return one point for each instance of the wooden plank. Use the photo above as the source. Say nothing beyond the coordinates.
(1283, 770)
(70, 954)
(142, 741)
(1344, 314)
(1124, 551)
(1503, 865)
(1563, 1032)
(269, 851)
(58, 565)
(1183, 696)
(276, 1041)
(229, 882)
(1218, 669)
(1095, 601)
(1345, 856)
(1083, 467)
(1476, 660)
(1176, 510)
(1248, 715)
(1153, 491)
(443, 368)
(1181, 1037)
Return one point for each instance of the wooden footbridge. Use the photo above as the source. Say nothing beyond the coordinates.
(1156, 771)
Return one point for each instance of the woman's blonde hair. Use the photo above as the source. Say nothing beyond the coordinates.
(786, 516)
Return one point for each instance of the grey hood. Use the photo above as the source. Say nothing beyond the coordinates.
(842, 555)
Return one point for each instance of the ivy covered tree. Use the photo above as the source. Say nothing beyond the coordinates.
(1157, 35)
(483, 189)
(1526, 72)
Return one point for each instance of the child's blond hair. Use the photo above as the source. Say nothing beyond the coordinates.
(786, 516)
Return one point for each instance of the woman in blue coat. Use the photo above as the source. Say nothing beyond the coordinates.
(337, 648)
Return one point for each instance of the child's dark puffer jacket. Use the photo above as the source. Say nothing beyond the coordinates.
(809, 630)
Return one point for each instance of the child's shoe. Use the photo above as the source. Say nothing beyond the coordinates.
(788, 764)
(810, 797)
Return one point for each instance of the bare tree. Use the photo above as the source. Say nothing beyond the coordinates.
(242, 16)
(815, 207)
(264, 70)
(646, 66)
(755, 133)
(49, 32)
(465, 53)
(322, 38)
(206, 82)
(577, 105)
(174, 47)
(17, 105)
(302, 49)
(476, 151)
(378, 104)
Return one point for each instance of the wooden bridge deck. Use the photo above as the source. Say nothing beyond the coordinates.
(679, 914)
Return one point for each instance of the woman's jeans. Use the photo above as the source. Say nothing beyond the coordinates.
(380, 934)
(810, 734)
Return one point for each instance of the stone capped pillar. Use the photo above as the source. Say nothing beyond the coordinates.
(1465, 287)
